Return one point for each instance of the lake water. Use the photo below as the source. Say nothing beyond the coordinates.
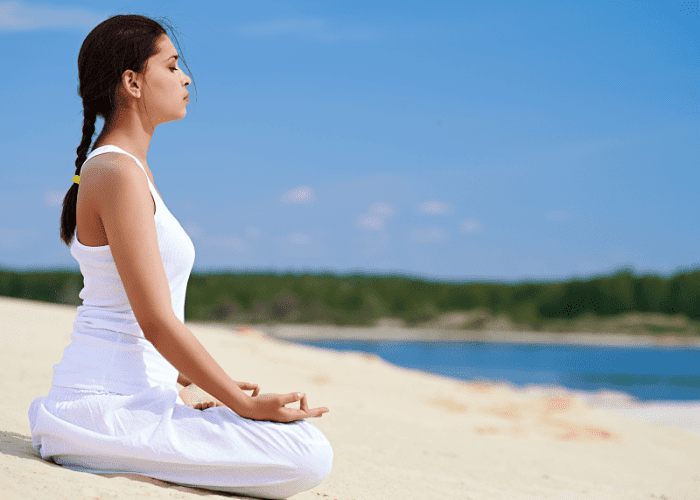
(647, 373)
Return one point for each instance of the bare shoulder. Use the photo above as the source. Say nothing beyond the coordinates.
(112, 174)
(114, 180)
(110, 167)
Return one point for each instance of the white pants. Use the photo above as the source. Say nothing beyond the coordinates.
(155, 435)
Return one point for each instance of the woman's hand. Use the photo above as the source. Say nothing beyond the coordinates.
(196, 398)
(207, 403)
(247, 386)
(272, 407)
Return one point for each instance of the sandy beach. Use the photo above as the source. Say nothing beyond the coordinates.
(396, 433)
(389, 329)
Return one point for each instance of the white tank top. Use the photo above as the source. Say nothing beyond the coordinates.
(108, 351)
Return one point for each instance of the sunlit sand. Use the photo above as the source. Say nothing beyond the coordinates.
(396, 433)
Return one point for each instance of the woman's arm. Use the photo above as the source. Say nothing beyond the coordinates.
(118, 189)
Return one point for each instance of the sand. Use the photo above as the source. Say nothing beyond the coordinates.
(396, 433)
(393, 330)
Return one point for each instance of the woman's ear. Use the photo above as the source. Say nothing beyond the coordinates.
(131, 83)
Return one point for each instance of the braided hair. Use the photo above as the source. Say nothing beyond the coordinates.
(118, 44)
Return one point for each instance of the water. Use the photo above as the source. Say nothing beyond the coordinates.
(647, 373)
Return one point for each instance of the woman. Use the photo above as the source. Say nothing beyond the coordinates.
(114, 406)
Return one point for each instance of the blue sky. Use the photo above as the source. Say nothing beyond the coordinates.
(454, 140)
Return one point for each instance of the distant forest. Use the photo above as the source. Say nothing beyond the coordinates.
(363, 299)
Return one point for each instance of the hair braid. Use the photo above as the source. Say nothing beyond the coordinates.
(70, 201)
(89, 119)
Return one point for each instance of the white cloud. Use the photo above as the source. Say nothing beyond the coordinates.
(375, 217)
(434, 207)
(19, 16)
(381, 209)
(54, 198)
(428, 235)
(298, 195)
(471, 226)
(370, 222)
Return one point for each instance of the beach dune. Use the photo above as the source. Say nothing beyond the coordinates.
(396, 433)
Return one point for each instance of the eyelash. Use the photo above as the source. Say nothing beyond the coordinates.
(174, 68)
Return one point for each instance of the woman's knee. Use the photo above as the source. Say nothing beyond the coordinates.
(315, 466)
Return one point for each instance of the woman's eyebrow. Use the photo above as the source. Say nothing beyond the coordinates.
(175, 56)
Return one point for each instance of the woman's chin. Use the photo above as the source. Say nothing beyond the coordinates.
(174, 118)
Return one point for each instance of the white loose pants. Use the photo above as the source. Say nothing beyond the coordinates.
(155, 435)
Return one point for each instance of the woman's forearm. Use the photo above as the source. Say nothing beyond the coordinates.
(183, 350)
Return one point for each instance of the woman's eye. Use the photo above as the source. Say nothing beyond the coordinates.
(174, 68)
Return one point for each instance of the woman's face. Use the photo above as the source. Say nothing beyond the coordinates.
(164, 92)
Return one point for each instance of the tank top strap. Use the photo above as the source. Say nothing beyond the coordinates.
(110, 148)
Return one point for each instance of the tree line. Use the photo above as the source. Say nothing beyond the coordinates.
(362, 299)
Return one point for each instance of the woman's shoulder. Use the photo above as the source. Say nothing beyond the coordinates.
(112, 180)
(112, 169)
(112, 161)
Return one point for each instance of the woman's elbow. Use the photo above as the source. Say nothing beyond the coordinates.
(156, 326)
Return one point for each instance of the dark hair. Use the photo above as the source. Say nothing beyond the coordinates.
(120, 43)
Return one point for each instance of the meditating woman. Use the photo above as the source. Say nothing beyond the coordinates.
(114, 406)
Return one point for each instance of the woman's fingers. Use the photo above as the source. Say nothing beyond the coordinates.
(292, 397)
(304, 411)
(247, 386)
(203, 405)
(317, 412)
(298, 414)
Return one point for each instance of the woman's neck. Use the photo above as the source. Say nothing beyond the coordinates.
(128, 132)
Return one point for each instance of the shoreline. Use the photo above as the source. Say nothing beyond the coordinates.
(401, 333)
(684, 414)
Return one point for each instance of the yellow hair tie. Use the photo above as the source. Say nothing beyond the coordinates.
(76, 179)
